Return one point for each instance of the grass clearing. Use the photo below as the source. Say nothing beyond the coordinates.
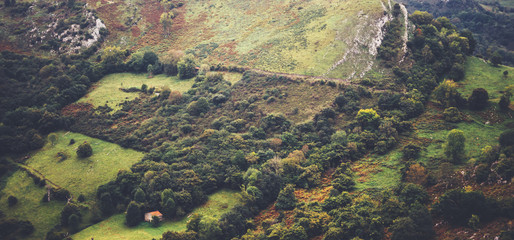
(107, 90)
(82, 176)
(378, 171)
(477, 134)
(114, 228)
(480, 74)
(30, 207)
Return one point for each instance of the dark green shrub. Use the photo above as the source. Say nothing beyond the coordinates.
(452, 114)
(12, 200)
(133, 216)
(507, 138)
(478, 99)
(286, 199)
(84, 150)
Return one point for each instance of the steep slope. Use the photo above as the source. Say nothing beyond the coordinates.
(332, 38)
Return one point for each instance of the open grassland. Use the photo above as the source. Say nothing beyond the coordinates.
(114, 228)
(480, 74)
(107, 90)
(378, 171)
(477, 136)
(30, 207)
(82, 176)
(305, 37)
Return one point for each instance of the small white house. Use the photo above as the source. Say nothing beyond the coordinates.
(149, 216)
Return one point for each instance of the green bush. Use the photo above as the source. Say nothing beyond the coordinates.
(286, 199)
(84, 150)
(478, 99)
(452, 114)
(454, 148)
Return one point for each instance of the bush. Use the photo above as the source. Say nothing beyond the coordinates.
(12, 200)
(84, 150)
(478, 99)
(457, 207)
(454, 148)
(186, 67)
(133, 216)
(286, 199)
(504, 102)
(195, 108)
(368, 118)
(452, 114)
(507, 138)
(411, 152)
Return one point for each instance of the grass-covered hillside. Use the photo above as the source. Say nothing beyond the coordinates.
(58, 166)
(243, 120)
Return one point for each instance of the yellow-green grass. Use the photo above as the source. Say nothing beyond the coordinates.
(114, 228)
(478, 135)
(82, 175)
(30, 207)
(290, 36)
(480, 74)
(107, 90)
(378, 171)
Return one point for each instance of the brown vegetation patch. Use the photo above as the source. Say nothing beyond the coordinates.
(485, 231)
(76, 108)
(135, 31)
(151, 14)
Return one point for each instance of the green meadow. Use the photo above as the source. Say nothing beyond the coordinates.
(114, 227)
(107, 90)
(30, 207)
(480, 74)
(79, 176)
(82, 175)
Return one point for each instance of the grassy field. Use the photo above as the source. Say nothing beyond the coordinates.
(82, 176)
(30, 207)
(114, 228)
(107, 90)
(378, 171)
(283, 36)
(477, 135)
(79, 176)
(480, 74)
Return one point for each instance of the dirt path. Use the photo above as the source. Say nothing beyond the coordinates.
(295, 76)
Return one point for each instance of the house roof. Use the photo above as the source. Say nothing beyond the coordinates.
(155, 213)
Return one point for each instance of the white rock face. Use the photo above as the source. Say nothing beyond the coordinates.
(363, 48)
(73, 38)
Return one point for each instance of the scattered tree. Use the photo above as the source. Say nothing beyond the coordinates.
(84, 150)
(368, 118)
(478, 99)
(454, 148)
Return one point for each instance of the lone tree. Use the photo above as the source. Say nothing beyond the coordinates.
(84, 150)
(286, 199)
(454, 148)
(478, 99)
(133, 216)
